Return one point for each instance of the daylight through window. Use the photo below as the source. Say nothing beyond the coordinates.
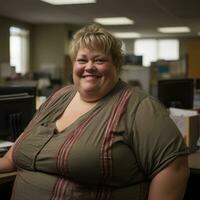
(19, 49)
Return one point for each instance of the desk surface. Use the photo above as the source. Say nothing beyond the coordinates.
(6, 177)
(194, 162)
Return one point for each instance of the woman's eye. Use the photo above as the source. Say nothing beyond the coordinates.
(81, 61)
(99, 61)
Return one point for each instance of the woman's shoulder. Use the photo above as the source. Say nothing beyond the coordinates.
(144, 100)
(138, 95)
(143, 96)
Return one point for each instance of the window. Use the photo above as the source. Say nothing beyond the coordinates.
(168, 49)
(153, 50)
(19, 49)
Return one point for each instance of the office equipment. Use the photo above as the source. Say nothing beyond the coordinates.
(132, 74)
(187, 122)
(197, 94)
(15, 89)
(5, 70)
(16, 112)
(5, 144)
(178, 93)
(131, 59)
(197, 83)
(18, 89)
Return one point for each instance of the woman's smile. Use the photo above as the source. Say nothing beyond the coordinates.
(94, 73)
(91, 77)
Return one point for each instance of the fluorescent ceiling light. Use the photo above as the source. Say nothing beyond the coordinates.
(114, 21)
(179, 29)
(126, 35)
(62, 2)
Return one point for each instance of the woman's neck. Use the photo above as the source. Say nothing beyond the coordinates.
(86, 99)
(93, 97)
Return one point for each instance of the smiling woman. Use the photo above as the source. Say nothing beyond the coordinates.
(97, 59)
(99, 139)
(94, 74)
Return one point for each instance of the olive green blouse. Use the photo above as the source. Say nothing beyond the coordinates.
(110, 153)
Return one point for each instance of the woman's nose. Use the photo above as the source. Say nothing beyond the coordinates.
(90, 66)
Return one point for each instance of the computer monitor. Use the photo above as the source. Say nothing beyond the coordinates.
(178, 93)
(197, 84)
(15, 89)
(15, 113)
(131, 59)
(18, 89)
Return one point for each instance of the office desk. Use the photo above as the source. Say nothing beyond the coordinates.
(7, 177)
(192, 190)
(194, 162)
(6, 185)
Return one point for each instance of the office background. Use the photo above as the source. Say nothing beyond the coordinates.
(51, 28)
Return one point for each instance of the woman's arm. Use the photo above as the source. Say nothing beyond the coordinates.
(171, 182)
(6, 162)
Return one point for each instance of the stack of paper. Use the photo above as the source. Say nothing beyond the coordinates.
(188, 122)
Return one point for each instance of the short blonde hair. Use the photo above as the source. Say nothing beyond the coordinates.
(96, 37)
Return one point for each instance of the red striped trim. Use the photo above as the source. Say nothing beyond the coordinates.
(106, 154)
(62, 185)
(67, 145)
(60, 189)
(63, 156)
(55, 96)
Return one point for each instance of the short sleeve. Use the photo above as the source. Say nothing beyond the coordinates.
(156, 139)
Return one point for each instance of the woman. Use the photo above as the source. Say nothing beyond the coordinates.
(99, 138)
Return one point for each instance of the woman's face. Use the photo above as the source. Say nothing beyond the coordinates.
(94, 74)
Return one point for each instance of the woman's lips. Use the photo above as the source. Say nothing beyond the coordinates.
(91, 76)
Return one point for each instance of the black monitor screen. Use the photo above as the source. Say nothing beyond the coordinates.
(197, 84)
(15, 113)
(18, 89)
(130, 59)
(178, 93)
(15, 89)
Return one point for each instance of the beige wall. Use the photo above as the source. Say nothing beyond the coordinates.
(48, 48)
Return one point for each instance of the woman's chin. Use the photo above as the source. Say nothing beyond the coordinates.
(90, 93)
